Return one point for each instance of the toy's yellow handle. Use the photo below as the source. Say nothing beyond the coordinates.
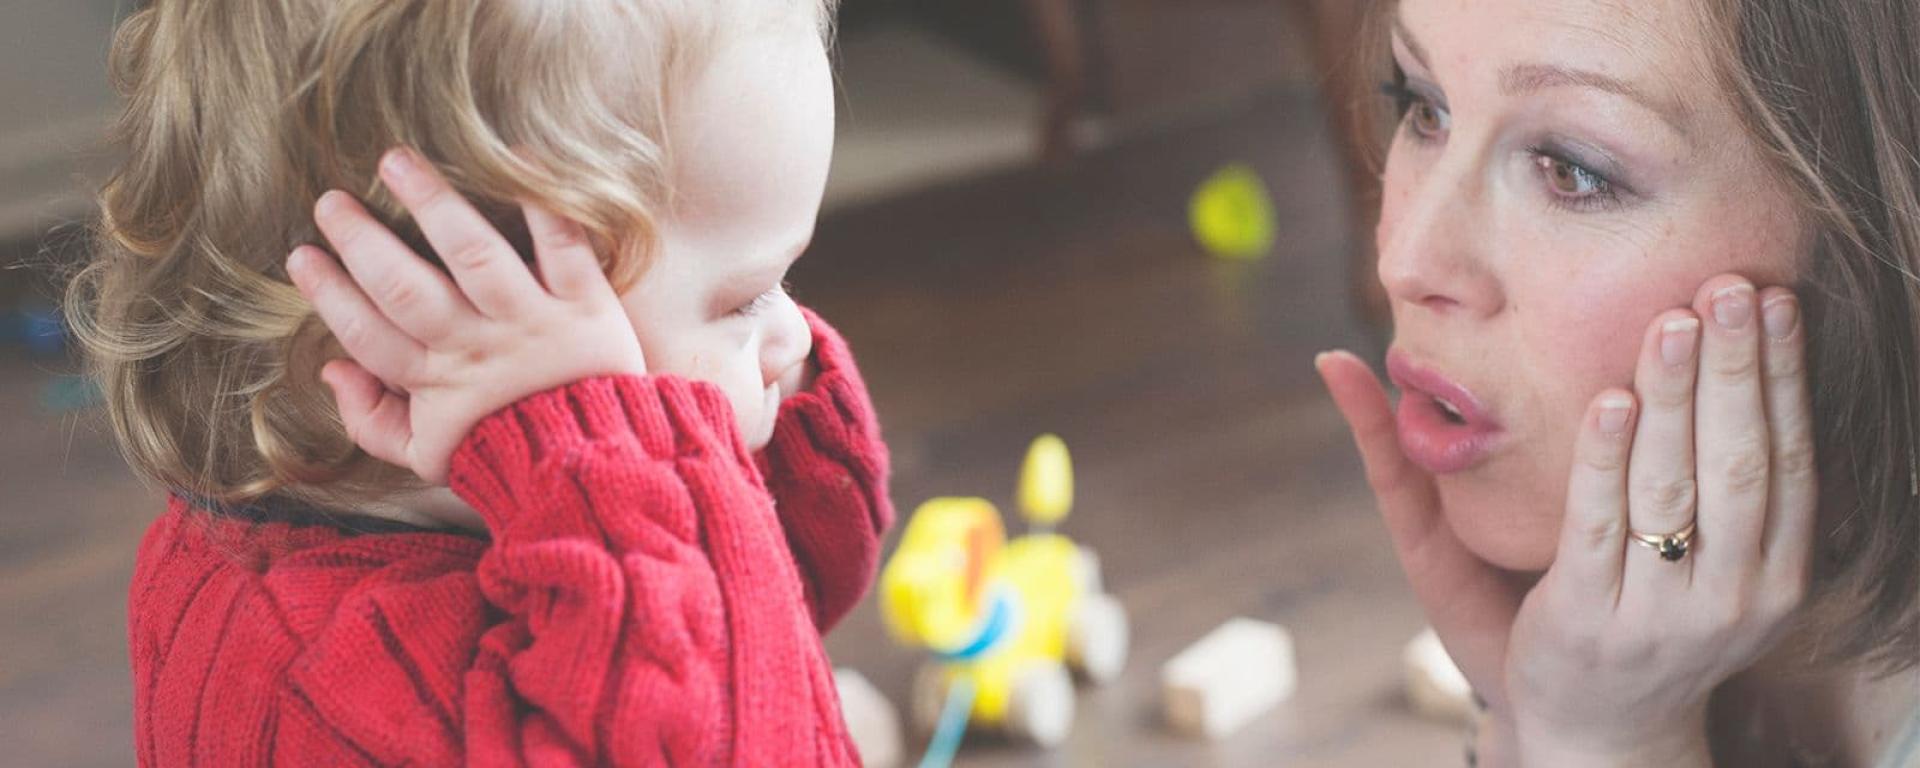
(1046, 482)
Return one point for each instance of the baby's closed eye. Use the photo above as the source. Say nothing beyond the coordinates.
(766, 300)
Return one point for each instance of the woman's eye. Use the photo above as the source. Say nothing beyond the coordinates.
(1428, 120)
(1572, 182)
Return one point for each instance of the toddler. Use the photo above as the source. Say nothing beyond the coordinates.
(582, 485)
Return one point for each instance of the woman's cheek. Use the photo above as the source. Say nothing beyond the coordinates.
(1589, 321)
(1594, 344)
(1582, 339)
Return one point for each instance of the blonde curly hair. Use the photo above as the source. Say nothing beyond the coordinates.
(240, 113)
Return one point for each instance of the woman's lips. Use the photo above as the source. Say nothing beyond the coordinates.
(1443, 428)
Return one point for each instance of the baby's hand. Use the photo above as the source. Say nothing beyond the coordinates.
(433, 355)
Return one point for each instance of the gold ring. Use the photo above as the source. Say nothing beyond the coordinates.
(1671, 546)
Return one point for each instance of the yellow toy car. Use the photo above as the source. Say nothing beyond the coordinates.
(1003, 619)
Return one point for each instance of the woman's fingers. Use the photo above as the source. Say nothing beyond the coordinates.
(367, 335)
(485, 266)
(417, 297)
(1587, 570)
(1793, 483)
(1406, 494)
(376, 418)
(1661, 475)
(568, 264)
(1663, 496)
(1471, 603)
(1732, 439)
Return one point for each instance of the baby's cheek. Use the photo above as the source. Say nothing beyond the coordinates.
(740, 378)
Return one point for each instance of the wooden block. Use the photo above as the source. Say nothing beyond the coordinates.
(1237, 672)
(871, 720)
(1435, 687)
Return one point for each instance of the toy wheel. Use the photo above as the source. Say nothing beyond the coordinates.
(1097, 638)
(1041, 709)
(871, 720)
(929, 697)
(1086, 564)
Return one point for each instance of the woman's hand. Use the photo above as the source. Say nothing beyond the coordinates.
(433, 355)
(1610, 657)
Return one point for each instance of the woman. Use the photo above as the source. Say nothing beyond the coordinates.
(1699, 545)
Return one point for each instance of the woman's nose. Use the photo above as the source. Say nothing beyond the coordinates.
(1433, 238)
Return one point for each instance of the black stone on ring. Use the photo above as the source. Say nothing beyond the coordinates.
(1672, 547)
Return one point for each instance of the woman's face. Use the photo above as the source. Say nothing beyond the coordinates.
(1564, 171)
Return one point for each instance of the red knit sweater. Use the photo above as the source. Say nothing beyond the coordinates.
(650, 594)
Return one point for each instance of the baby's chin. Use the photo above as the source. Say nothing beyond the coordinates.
(758, 443)
(757, 424)
(1502, 528)
(756, 433)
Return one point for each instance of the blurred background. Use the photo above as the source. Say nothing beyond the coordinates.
(1009, 245)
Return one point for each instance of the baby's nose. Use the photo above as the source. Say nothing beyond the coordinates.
(787, 346)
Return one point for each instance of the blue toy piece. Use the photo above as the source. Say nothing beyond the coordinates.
(38, 331)
(70, 393)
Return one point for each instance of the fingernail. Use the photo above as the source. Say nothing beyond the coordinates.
(328, 203)
(1733, 306)
(1614, 412)
(399, 168)
(1781, 316)
(1677, 340)
(296, 266)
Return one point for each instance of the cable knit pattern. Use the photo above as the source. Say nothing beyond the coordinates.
(826, 477)
(651, 595)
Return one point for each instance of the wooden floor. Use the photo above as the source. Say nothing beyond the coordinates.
(1214, 477)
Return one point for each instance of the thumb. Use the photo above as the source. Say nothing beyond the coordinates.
(376, 418)
(1470, 602)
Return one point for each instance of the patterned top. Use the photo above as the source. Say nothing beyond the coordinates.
(1904, 752)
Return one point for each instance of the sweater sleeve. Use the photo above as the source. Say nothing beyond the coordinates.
(651, 612)
(827, 469)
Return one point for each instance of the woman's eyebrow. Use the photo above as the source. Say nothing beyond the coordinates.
(1413, 45)
(1530, 77)
(1522, 79)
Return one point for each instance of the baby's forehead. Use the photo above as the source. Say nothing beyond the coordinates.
(752, 135)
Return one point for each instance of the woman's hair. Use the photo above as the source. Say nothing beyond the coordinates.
(1830, 93)
(240, 113)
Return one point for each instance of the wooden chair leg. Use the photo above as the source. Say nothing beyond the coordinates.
(1335, 28)
(1057, 26)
